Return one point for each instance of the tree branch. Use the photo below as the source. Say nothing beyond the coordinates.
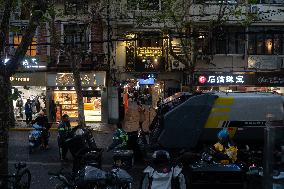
(37, 14)
(4, 30)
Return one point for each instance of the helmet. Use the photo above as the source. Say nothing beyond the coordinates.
(223, 134)
(65, 116)
(161, 156)
(161, 161)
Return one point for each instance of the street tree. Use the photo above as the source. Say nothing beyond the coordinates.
(75, 52)
(36, 11)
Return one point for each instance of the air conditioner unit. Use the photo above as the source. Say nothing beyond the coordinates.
(16, 15)
(176, 65)
(254, 9)
(282, 63)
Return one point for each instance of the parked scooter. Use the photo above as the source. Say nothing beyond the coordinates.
(93, 178)
(35, 137)
(83, 148)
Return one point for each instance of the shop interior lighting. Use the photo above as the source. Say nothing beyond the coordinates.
(156, 60)
(98, 89)
(90, 88)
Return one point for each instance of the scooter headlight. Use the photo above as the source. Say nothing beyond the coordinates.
(31, 137)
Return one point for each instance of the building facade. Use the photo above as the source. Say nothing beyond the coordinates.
(248, 44)
(45, 76)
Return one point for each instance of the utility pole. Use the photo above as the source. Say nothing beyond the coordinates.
(268, 153)
(108, 34)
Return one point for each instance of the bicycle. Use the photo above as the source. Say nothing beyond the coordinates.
(21, 179)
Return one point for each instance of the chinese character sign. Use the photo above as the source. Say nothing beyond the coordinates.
(224, 79)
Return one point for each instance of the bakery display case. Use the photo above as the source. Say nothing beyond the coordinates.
(66, 102)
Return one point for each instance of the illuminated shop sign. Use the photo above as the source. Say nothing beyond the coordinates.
(273, 79)
(149, 51)
(28, 63)
(89, 79)
(265, 79)
(20, 79)
(224, 79)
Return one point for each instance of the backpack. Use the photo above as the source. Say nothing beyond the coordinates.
(175, 182)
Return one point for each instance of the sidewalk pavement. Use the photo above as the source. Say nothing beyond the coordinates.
(130, 123)
(97, 127)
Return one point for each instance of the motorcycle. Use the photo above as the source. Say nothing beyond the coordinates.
(35, 137)
(93, 178)
(83, 148)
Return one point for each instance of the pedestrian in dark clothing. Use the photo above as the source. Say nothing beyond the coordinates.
(133, 145)
(64, 130)
(28, 111)
(136, 94)
(42, 121)
(142, 116)
(37, 104)
(52, 110)
(159, 102)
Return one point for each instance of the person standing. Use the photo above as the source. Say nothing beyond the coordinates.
(19, 105)
(28, 111)
(142, 117)
(52, 110)
(37, 104)
(159, 102)
(64, 129)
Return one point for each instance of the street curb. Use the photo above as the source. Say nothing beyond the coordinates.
(51, 129)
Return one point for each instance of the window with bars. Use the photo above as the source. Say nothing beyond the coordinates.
(266, 41)
(143, 5)
(76, 34)
(76, 7)
(229, 40)
(32, 49)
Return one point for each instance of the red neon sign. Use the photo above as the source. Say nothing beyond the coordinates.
(202, 79)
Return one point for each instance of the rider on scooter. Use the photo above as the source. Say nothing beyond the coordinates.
(224, 149)
(42, 121)
(162, 174)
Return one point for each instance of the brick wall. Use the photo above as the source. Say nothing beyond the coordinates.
(42, 38)
(97, 36)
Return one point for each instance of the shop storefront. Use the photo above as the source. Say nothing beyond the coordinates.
(244, 82)
(64, 95)
(29, 86)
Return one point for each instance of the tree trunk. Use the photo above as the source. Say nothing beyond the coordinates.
(6, 108)
(192, 60)
(75, 62)
(5, 122)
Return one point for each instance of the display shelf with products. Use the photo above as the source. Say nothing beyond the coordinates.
(67, 100)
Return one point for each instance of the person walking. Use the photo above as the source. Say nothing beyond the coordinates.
(64, 129)
(142, 117)
(28, 112)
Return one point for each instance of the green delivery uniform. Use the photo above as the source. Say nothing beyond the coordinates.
(64, 129)
(119, 140)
